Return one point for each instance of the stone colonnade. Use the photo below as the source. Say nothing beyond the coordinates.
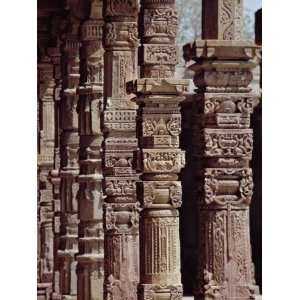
(109, 154)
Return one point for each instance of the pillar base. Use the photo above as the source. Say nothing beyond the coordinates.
(44, 291)
(223, 292)
(160, 292)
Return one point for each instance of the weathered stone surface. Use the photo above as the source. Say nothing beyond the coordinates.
(120, 156)
(222, 19)
(159, 126)
(109, 190)
(222, 148)
(69, 141)
(90, 257)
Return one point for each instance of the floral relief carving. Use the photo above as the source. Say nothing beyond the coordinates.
(120, 187)
(162, 127)
(160, 54)
(228, 143)
(215, 178)
(121, 8)
(161, 21)
(159, 161)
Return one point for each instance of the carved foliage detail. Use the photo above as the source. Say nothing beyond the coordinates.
(215, 179)
(160, 54)
(161, 22)
(163, 161)
(221, 143)
(162, 127)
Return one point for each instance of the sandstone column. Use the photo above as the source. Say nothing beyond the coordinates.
(46, 84)
(223, 144)
(121, 207)
(55, 54)
(90, 268)
(159, 126)
(69, 146)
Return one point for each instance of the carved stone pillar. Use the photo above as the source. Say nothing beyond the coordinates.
(46, 84)
(159, 126)
(223, 144)
(69, 146)
(55, 54)
(222, 19)
(121, 207)
(90, 269)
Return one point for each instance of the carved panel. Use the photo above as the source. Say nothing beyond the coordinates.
(123, 8)
(161, 125)
(227, 143)
(121, 218)
(160, 54)
(223, 186)
(163, 161)
(120, 189)
(161, 193)
(121, 34)
(160, 23)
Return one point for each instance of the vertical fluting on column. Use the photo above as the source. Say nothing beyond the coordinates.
(121, 207)
(69, 147)
(159, 126)
(90, 268)
(223, 144)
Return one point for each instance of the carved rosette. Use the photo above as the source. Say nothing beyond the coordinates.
(90, 257)
(222, 148)
(120, 156)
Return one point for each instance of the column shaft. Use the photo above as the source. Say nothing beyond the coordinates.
(121, 207)
(159, 126)
(46, 84)
(69, 146)
(90, 269)
(222, 150)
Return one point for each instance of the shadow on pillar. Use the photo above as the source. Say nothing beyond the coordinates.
(256, 206)
(188, 216)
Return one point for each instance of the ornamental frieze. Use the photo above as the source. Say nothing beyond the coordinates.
(227, 143)
(92, 30)
(122, 8)
(230, 103)
(161, 126)
(120, 116)
(118, 159)
(121, 218)
(155, 194)
(160, 23)
(160, 54)
(220, 120)
(163, 161)
(120, 189)
(228, 186)
(121, 34)
(230, 78)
